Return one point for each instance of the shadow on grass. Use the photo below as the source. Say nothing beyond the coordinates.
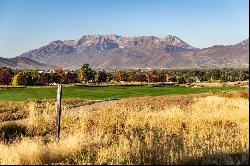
(239, 158)
(12, 131)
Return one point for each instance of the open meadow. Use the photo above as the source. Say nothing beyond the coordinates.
(208, 128)
(106, 92)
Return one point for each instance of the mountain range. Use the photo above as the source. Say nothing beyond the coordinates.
(22, 63)
(113, 52)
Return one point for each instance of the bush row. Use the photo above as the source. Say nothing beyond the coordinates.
(86, 74)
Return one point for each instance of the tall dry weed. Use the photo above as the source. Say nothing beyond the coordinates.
(151, 130)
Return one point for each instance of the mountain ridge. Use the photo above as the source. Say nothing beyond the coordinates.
(112, 51)
(22, 63)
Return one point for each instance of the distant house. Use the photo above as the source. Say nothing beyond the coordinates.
(44, 71)
(52, 71)
(51, 84)
(197, 79)
(40, 71)
(194, 79)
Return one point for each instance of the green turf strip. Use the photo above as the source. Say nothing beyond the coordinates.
(104, 92)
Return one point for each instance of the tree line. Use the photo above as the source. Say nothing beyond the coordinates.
(86, 74)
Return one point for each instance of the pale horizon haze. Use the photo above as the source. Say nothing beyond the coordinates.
(30, 24)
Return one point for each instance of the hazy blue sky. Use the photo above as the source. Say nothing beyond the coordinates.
(29, 24)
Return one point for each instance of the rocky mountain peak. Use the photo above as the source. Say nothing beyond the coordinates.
(56, 42)
(244, 42)
(109, 51)
(70, 42)
(98, 42)
(112, 41)
(177, 42)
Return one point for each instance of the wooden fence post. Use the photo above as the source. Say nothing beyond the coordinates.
(58, 109)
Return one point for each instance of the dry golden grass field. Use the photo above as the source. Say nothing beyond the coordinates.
(193, 129)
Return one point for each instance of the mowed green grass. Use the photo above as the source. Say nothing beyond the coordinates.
(103, 92)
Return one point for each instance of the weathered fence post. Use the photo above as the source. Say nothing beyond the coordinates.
(58, 110)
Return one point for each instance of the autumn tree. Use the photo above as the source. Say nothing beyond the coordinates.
(161, 76)
(59, 74)
(109, 77)
(25, 78)
(100, 76)
(140, 77)
(120, 76)
(6, 75)
(131, 75)
(152, 76)
(44, 79)
(85, 73)
(19, 79)
(69, 77)
(180, 80)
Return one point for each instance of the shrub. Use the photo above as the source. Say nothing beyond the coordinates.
(6, 76)
(11, 131)
(25, 78)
